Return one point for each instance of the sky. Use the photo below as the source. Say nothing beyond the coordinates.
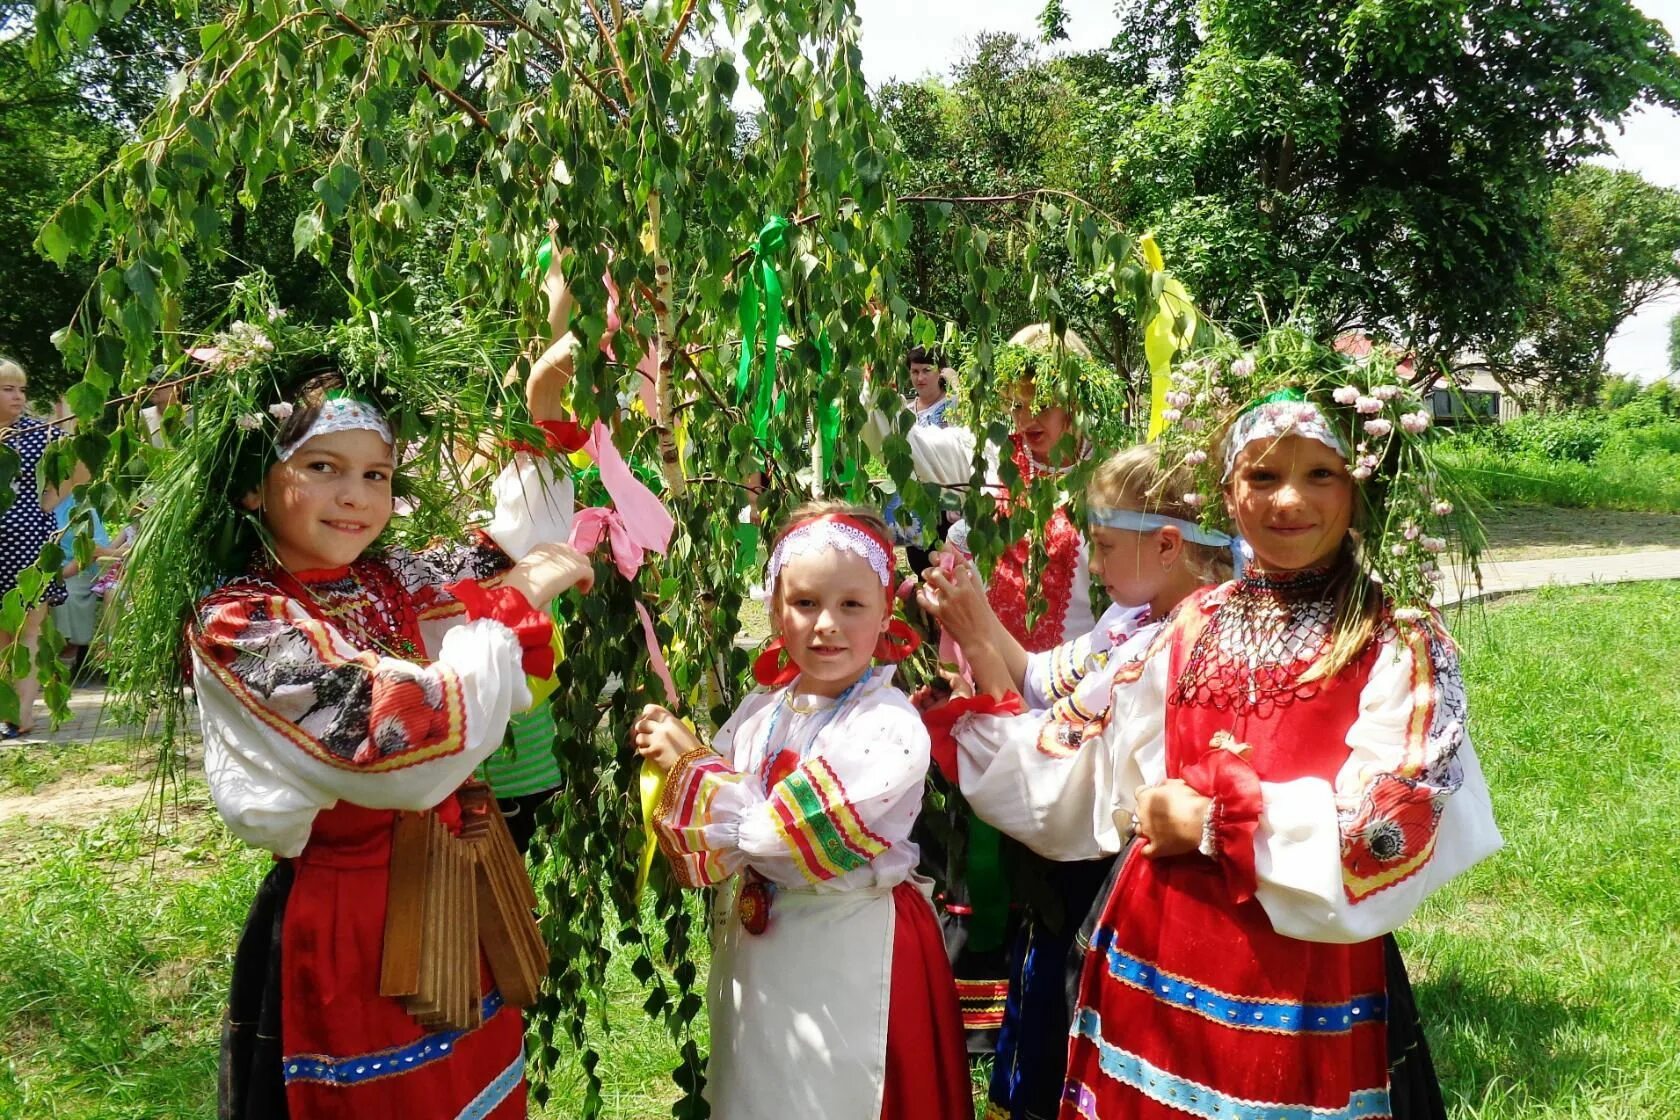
(910, 40)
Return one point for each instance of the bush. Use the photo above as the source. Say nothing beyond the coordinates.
(1576, 436)
(1620, 479)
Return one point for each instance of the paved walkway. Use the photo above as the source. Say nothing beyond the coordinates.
(1566, 571)
(87, 704)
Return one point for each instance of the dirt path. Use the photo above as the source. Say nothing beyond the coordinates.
(81, 800)
(1546, 532)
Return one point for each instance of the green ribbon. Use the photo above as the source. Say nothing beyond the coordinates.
(759, 286)
(828, 421)
(1289, 393)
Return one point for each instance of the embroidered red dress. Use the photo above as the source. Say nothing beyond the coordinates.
(1252, 985)
(1061, 590)
(329, 701)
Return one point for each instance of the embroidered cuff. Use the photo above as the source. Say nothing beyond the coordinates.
(533, 628)
(668, 800)
(1229, 779)
(940, 721)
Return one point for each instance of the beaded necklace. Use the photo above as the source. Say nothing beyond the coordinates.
(379, 614)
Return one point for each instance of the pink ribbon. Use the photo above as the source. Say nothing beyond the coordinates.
(636, 524)
(647, 370)
(644, 516)
(660, 669)
(950, 653)
(590, 525)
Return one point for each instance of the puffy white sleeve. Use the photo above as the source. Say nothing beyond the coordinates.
(1409, 809)
(1064, 785)
(839, 820)
(1060, 674)
(940, 456)
(296, 718)
(534, 505)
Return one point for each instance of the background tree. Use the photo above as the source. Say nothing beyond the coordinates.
(417, 154)
(1674, 344)
(1613, 243)
(1379, 167)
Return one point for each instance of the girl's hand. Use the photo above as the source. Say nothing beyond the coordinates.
(958, 601)
(1170, 817)
(661, 737)
(549, 570)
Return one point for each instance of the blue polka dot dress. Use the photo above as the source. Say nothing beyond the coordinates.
(25, 526)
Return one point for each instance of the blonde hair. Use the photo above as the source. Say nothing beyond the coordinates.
(821, 508)
(11, 370)
(1356, 600)
(1137, 479)
(1042, 338)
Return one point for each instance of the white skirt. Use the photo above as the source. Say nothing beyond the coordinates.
(799, 1012)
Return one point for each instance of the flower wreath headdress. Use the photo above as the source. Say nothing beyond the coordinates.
(843, 533)
(1416, 514)
(195, 533)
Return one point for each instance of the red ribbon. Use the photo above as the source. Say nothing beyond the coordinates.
(941, 719)
(1229, 779)
(770, 670)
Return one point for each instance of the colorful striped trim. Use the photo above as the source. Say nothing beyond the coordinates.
(324, 1069)
(819, 824)
(496, 1092)
(981, 1003)
(1069, 662)
(1271, 1016)
(1423, 703)
(1194, 1098)
(685, 812)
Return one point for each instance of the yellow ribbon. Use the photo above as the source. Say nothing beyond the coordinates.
(653, 788)
(1162, 338)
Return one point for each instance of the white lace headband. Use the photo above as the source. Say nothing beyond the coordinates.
(821, 535)
(340, 414)
(1274, 419)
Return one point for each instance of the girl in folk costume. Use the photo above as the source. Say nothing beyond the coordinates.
(1149, 552)
(338, 684)
(1290, 751)
(830, 996)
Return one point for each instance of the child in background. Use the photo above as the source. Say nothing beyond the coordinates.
(1149, 553)
(830, 996)
(338, 685)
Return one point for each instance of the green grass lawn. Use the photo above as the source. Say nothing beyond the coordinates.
(1547, 977)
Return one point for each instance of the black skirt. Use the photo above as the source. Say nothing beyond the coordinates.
(1413, 1091)
(249, 1083)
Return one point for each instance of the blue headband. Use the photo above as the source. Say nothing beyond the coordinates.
(1140, 522)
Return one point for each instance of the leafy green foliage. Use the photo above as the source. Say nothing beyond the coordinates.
(1368, 166)
(418, 156)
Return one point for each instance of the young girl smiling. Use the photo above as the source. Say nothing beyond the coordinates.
(1290, 752)
(341, 684)
(829, 994)
(1030, 777)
